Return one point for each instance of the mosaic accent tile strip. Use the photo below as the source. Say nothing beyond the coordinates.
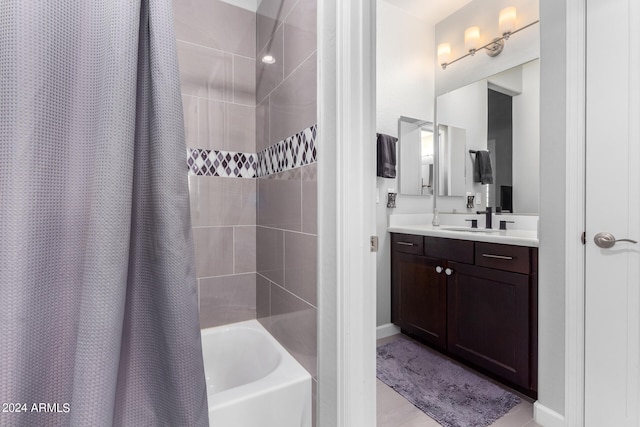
(293, 152)
(221, 163)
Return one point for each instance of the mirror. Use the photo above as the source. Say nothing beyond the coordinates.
(499, 114)
(416, 156)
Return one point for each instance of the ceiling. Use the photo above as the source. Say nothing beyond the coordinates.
(250, 5)
(431, 11)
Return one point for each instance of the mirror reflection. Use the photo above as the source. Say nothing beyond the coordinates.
(500, 116)
(500, 148)
(452, 142)
(416, 156)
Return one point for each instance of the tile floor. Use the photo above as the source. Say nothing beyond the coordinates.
(393, 410)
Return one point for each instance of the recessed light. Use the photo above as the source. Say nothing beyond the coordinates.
(268, 59)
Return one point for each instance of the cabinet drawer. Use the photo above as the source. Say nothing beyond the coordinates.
(407, 243)
(503, 257)
(449, 249)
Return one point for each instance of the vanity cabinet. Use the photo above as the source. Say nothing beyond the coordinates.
(474, 301)
(419, 277)
(422, 298)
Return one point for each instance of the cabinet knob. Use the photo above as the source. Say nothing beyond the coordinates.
(448, 272)
(438, 269)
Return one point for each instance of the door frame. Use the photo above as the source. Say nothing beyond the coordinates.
(576, 33)
(346, 309)
(346, 213)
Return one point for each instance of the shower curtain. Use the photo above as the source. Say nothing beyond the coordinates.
(98, 299)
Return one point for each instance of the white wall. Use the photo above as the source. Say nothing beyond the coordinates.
(405, 67)
(520, 48)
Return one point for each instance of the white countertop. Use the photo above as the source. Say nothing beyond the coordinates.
(456, 228)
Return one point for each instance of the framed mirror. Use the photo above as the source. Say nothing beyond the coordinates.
(416, 166)
(500, 115)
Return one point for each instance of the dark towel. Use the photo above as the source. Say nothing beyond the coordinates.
(386, 167)
(482, 172)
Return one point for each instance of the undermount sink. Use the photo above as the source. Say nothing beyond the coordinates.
(471, 230)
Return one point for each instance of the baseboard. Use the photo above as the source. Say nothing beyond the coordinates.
(387, 330)
(547, 417)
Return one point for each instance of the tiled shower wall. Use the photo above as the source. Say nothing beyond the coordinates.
(286, 231)
(255, 237)
(216, 54)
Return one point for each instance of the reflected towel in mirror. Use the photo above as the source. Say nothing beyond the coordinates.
(482, 171)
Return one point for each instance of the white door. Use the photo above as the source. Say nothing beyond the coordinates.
(612, 311)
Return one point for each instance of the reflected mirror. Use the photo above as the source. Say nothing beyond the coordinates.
(452, 142)
(416, 156)
(500, 115)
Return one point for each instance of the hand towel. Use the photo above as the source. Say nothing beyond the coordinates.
(386, 165)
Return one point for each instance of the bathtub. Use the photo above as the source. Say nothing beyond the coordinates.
(252, 381)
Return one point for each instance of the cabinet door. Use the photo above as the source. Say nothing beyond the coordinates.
(419, 297)
(488, 315)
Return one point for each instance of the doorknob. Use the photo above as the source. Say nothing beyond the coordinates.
(607, 240)
(448, 272)
(438, 269)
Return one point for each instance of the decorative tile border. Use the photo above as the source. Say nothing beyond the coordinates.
(221, 163)
(293, 152)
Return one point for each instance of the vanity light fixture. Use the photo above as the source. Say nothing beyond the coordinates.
(507, 26)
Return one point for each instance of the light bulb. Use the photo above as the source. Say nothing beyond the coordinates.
(507, 20)
(471, 38)
(444, 53)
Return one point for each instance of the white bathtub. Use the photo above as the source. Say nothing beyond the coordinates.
(252, 381)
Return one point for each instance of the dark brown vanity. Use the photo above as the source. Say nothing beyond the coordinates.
(474, 301)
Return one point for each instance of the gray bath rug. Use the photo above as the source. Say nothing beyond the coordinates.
(448, 393)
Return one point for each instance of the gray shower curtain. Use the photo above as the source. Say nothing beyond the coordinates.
(98, 300)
